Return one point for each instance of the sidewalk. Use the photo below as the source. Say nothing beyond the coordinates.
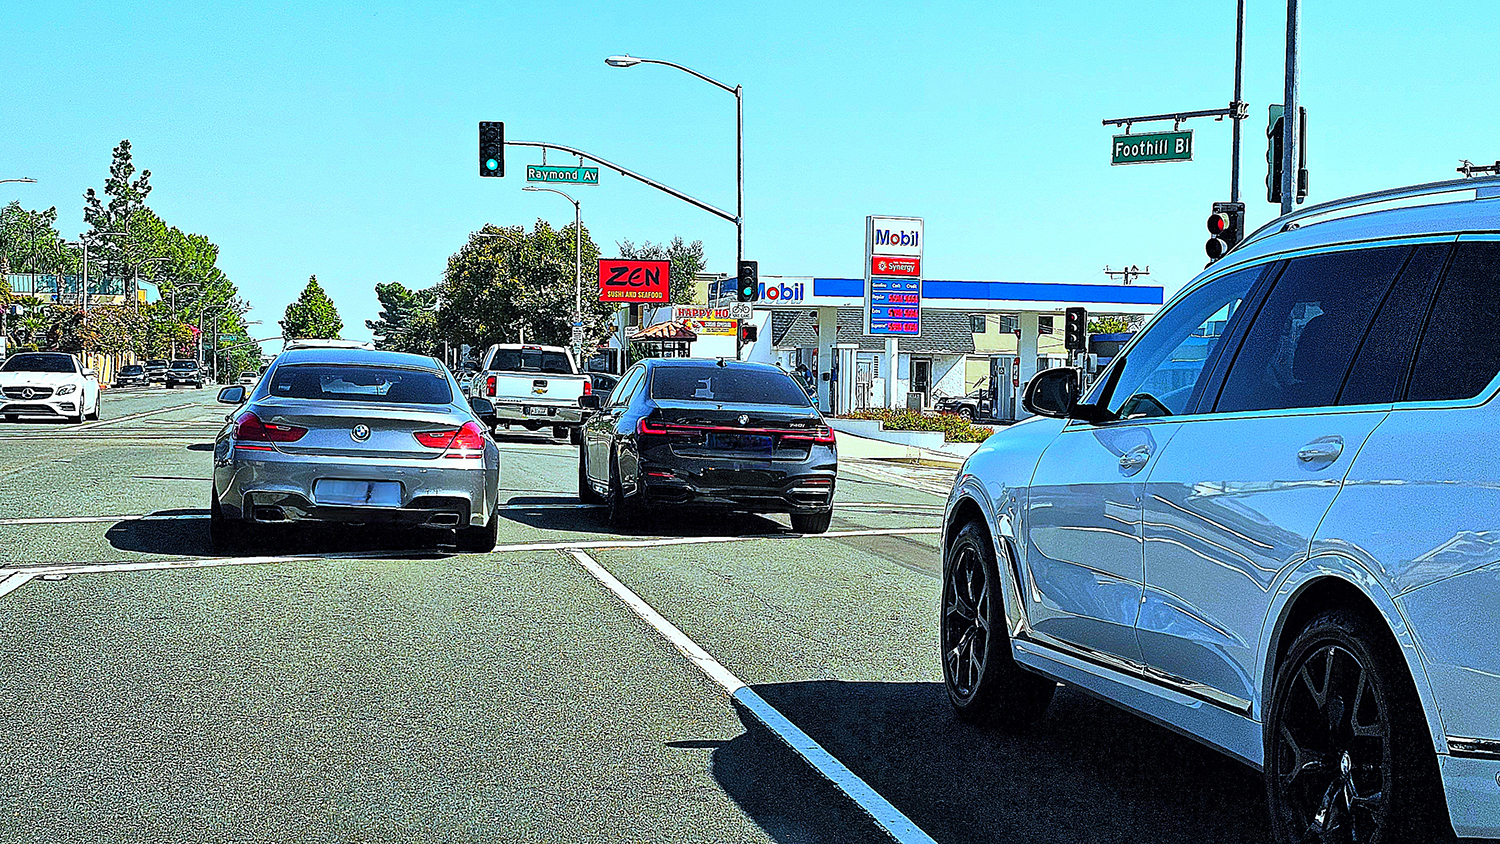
(915, 468)
(863, 448)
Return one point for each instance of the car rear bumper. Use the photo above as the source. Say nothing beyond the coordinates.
(542, 414)
(268, 486)
(751, 486)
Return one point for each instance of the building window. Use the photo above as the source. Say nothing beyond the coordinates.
(977, 323)
(1044, 324)
(1008, 324)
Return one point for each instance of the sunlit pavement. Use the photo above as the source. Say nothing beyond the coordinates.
(358, 685)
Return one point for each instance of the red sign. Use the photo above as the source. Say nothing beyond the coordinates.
(886, 265)
(621, 280)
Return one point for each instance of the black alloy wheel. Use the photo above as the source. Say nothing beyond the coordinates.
(985, 684)
(619, 512)
(967, 413)
(1348, 756)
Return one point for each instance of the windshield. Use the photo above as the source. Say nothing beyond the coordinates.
(39, 363)
(155, 363)
(184, 364)
(529, 360)
(133, 369)
(385, 385)
(726, 385)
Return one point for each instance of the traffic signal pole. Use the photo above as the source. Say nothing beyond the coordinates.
(1289, 126)
(1239, 65)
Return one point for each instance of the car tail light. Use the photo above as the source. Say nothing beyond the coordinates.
(588, 387)
(489, 385)
(249, 428)
(821, 434)
(466, 443)
(650, 426)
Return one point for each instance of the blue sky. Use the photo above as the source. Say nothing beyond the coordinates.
(340, 139)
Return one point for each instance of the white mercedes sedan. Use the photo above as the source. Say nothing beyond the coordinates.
(48, 384)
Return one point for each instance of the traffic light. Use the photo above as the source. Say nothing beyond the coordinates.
(749, 333)
(1274, 135)
(491, 148)
(1226, 227)
(1075, 329)
(749, 288)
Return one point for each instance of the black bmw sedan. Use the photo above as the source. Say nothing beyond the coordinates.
(713, 435)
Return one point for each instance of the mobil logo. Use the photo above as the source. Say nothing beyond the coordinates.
(900, 236)
(793, 292)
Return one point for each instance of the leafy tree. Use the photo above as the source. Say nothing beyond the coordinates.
(1114, 324)
(687, 262)
(126, 195)
(406, 321)
(506, 281)
(312, 316)
(30, 242)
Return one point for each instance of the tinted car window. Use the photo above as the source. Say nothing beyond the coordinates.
(1460, 349)
(1161, 373)
(387, 385)
(622, 394)
(1381, 361)
(184, 364)
(726, 385)
(525, 360)
(39, 363)
(1299, 348)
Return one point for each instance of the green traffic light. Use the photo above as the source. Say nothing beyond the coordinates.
(492, 164)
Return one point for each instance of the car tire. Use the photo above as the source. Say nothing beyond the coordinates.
(1347, 748)
(225, 535)
(97, 414)
(479, 540)
(12, 417)
(575, 436)
(559, 431)
(586, 493)
(812, 522)
(967, 413)
(984, 682)
(619, 512)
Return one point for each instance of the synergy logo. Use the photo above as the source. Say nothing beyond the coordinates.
(782, 292)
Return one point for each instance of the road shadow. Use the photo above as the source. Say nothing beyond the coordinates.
(200, 447)
(1086, 772)
(188, 536)
(666, 522)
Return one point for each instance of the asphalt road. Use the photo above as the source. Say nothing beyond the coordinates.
(358, 685)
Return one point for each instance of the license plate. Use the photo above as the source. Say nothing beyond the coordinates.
(536, 411)
(758, 443)
(358, 493)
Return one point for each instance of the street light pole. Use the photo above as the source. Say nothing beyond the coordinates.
(577, 267)
(739, 151)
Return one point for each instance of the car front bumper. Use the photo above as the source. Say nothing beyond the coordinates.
(51, 406)
(269, 486)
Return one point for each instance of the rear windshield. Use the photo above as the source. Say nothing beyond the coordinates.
(726, 385)
(384, 385)
(528, 360)
(39, 363)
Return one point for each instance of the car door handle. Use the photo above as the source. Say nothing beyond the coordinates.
(1134, 459)
(1325, 449)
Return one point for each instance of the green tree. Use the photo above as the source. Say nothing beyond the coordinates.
(506, 281)
(687, 262)
(1114, 324)
(30, 242)
(406, 322)
(312, 316)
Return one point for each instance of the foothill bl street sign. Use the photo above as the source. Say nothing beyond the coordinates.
(1151, 147)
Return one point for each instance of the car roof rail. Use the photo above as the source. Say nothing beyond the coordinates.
(1484, 187)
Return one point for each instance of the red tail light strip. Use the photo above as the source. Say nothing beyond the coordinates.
(820, 434)
(466, 443)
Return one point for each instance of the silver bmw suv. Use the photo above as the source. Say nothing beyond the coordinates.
(1273, 524)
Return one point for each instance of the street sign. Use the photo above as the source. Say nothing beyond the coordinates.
(1151, 147)
(740, 310)
(893, 276)
(564, 175)
(622, 280)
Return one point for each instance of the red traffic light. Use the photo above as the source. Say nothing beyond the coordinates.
(1218, 223)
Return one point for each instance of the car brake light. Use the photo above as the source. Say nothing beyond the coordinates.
(821, 434)
(650, 426)
(489, 385)
(249, 428)
(463, 443)
(588, 386)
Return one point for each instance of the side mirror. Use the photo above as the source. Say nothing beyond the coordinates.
(89, 373)
(589, 402)
(1052, 392)
(232, 395)
(483, 408)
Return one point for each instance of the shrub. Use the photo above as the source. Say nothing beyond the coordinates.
(955, 428)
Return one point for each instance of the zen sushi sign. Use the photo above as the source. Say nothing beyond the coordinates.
(1151, 148)
(624, 280)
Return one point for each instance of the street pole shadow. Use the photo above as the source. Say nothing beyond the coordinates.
(1087, 772)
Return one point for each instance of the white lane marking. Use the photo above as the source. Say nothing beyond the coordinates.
(13, 581)
(120, 419)
(210, 562)
(885, 815)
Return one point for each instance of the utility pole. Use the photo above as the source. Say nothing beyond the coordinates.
(1290, 126)
(1240, 109)
(1131, 272)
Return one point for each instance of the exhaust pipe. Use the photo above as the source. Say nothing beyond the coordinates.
(269, 514)
(444, 520)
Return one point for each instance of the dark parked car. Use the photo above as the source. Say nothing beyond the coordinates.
(185, 373)
(976, 405)
(156, 372)
(132, 375)
(718, 435)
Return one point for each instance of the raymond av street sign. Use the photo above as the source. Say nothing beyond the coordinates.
(1151, 148)
(565, 175)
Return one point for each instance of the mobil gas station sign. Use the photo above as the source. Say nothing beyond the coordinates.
(893, 276)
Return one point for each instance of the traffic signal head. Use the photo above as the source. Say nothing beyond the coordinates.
(491, 148)
(1075, 329)
(1226, 227)
(749, 282)
(1274, 140)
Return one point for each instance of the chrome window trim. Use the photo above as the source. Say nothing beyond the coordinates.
(1473, 748)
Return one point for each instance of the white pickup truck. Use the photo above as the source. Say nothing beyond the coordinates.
(534, 387)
